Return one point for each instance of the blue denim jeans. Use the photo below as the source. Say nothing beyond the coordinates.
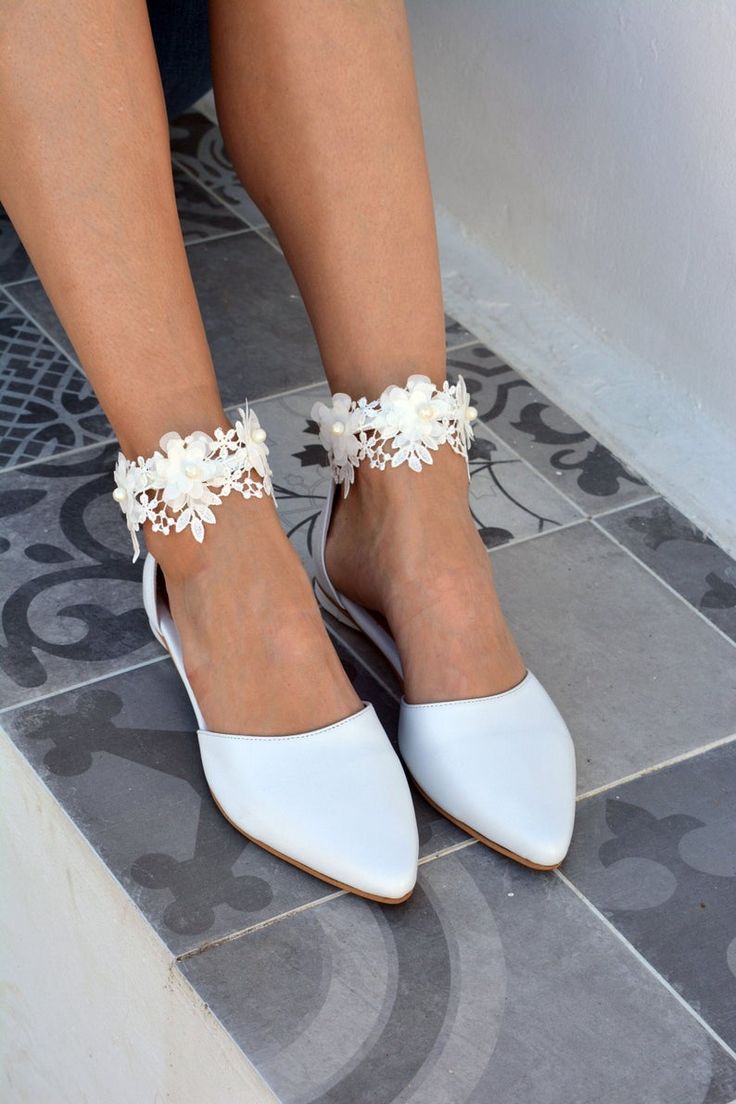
(182, 41)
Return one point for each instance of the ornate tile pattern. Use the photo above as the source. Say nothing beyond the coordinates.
(71, 606)
(201, 215)
(545, 436)
(15, 263)
(197, 145)
(681, 555)
(122, 758)
(508, 500)
(491, 984)
(658, 857)
(46, 404)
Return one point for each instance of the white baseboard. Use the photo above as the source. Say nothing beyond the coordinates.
(625, 402)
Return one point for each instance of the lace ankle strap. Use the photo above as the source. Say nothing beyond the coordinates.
(405, 425)
(177, 486)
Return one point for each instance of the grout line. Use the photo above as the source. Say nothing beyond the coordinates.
(647, 965)
(218, 237)
(112, 439)
(450, 850)
(259, 231)
(17, 283)
(462, 345)
(625, 506)
(81, 685)
(664, 583)
(306, 907)
(233, 210)
(536, 536)
(39, 326)
(275, 395)
(231, 936)
(681, 758)
(55, 456)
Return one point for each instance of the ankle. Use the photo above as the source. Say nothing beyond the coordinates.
(238, 525)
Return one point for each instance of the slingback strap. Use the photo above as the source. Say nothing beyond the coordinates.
(405, 425)
(178, 486)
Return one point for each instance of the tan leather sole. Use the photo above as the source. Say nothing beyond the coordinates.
(308, 869)
(476, 835)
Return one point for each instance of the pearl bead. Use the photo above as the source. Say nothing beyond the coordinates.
(259, 435)
(119, 494)
(338, 428)
(425, 413)
(472, 414)
(191, 471)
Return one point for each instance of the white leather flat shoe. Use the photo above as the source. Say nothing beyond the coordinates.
(500, 767)
(334, 801)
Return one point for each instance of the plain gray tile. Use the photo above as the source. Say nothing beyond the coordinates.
(492, 983)
(638, 676)
(544, 435)
(658, 857)
(258, 329)
(681, 555)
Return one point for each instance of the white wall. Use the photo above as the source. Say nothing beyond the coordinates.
(589, 146)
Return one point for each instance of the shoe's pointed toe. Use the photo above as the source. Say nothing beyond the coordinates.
(334, 801)
(503, 767)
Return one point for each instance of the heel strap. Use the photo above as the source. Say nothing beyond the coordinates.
(178, 485)
(405, 425)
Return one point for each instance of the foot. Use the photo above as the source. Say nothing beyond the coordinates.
(255, 649)
(404, 544)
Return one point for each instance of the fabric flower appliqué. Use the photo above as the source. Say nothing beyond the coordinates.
(405, 425)
(178, 486)
(339, 429)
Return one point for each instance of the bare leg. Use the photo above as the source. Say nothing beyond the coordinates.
(318, 104)
(86, 177)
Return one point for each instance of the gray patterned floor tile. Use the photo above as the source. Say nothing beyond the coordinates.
(658, 857)
(201, 215)
(455, 334)
(259, 332)
(196, 144)
(46, 404)
(508, 500)
(681, 555)
(545, 436)
(121, 756)
(34, 299)
(638, 676)
(15, 264)
(70, 596)
(491, 984)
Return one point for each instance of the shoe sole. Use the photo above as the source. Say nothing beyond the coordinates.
(308, 869)
(344, 617)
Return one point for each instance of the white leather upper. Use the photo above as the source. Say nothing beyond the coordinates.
(503, 765)
(335, 799)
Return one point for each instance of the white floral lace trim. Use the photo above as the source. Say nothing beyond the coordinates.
(405, 425)
(177, 486)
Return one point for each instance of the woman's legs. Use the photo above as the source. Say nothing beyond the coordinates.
(318, 105)
(85, 175)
